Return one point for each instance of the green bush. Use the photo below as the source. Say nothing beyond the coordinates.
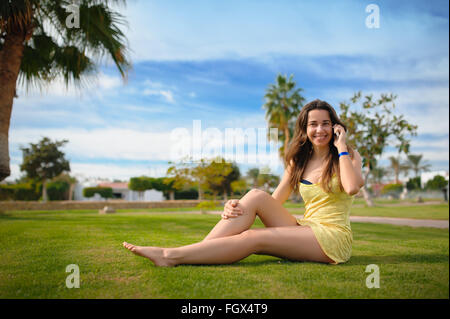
(105, 192)
(58, 190)
(392, 189)
(413, 183)
(6, 192)
(438, 182)
(24, 191)
(140, 184)
(191, 193)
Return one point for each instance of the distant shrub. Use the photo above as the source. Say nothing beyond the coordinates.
(438, 182)
(24, 191)
(413, 183)
(6, 192)
(58, 190)
(105, 192)
(191, 193)
(392, 189)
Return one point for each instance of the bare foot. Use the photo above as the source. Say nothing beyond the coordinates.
(155, 254)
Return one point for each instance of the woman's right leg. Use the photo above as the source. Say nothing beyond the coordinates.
(255, 203)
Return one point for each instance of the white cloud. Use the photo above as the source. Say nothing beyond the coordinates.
(138, 145)
(94, 85)
(104, 143)
(159, 89)
(113, 171)
(109, 82)
(166, 94)
(104, 171)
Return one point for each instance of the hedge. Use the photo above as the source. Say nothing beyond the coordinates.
(26, 191)
(393, 189)
(105, 192)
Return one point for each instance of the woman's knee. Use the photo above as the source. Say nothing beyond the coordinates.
(250, 201)
(255, 192)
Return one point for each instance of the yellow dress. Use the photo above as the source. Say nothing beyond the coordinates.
(328, 215)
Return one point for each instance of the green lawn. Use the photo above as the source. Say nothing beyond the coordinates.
(36, 247)
(431, 211)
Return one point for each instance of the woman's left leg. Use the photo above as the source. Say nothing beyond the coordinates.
(290, 242)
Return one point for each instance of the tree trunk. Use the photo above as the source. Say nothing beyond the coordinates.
(367, 197)
(10, 60)
(44, 191)
(225, 196)
(172, 195)
(364, 191)
(71, 189)
(200, 192)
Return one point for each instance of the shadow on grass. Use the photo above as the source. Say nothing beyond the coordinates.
(242, 263)
(354, 261)
(397, 259)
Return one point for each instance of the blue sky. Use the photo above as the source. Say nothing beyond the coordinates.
(213, 60)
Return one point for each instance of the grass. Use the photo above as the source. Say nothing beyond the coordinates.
(37, 247)
(434, 211)
(431, 211)
(437, 211)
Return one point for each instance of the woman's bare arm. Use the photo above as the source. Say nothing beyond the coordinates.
(284, 189)
(350, 168)
(351, 172)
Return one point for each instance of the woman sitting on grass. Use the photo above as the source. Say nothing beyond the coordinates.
(325, 170)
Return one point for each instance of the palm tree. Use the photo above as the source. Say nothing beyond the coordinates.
(414, 162)
(397, 167)
(283, 104)
(252, 175)
(38, 44)
(377, 173)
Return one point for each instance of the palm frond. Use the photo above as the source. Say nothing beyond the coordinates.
(56, 50)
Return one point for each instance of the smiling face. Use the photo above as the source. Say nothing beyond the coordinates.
(319, 127)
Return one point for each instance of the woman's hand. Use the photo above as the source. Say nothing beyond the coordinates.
(339, 141)
(231, 209)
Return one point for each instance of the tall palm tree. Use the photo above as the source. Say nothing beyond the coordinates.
(253, 174)
(377, 174)
(397, 167)
(283, 104)
(414, 162)
(39, 43)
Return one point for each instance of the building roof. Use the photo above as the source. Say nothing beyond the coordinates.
(114, 185)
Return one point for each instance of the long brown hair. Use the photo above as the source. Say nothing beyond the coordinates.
(300, 148)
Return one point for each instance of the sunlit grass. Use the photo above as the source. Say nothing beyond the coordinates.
(37, 247)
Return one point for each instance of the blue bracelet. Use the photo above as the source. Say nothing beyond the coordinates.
(343, 153)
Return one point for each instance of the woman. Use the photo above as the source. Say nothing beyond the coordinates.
(325, 170)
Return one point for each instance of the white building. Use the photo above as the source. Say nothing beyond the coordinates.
(120, 191)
